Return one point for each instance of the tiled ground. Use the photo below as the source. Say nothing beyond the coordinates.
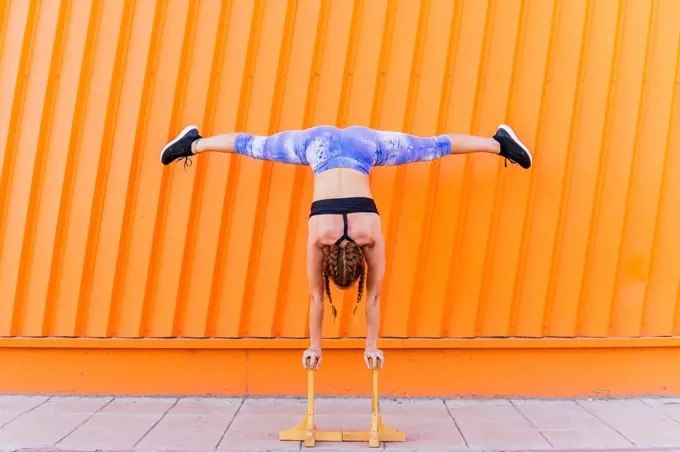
(219, 424)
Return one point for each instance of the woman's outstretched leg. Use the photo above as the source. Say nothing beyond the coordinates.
(224, 142)
(397, 148)
(504, 143)
(284, 147)
(468, 144)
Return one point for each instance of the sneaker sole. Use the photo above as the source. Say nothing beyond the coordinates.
(517, 140)
(176, 139)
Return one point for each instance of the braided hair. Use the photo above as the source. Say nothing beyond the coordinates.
(344, 266)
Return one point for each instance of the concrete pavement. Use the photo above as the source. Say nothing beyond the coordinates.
(150, 424)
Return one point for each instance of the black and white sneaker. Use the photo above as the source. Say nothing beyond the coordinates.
(511, 148)
(180, 147)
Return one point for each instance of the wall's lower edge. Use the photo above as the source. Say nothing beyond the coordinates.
(636, 367)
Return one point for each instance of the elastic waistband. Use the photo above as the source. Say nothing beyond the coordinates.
(336, 206)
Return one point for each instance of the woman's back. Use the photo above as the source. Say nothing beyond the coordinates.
(337, 183)
(341, 183)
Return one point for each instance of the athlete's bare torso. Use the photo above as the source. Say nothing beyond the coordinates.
(364, 228)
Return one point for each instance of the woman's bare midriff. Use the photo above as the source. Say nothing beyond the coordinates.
(364, 228)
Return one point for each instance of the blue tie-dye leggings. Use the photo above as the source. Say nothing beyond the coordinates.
(355, 147)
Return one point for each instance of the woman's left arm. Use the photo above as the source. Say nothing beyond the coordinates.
(316, 289)
(375, 258)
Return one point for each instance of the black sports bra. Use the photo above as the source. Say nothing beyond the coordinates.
(344, 234)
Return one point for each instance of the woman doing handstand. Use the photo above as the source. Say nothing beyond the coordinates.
(345, 235)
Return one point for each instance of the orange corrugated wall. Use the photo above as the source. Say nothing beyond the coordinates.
(98, 239)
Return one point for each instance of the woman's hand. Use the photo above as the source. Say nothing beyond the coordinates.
(374, 358)
(314, 356)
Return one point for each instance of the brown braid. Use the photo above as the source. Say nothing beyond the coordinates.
(328, 292)
(344, 266)
(362, 278)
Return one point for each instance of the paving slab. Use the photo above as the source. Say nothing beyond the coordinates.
(31, 423)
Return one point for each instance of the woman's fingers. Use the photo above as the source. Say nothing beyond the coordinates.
(374, 359)
(311, 359)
